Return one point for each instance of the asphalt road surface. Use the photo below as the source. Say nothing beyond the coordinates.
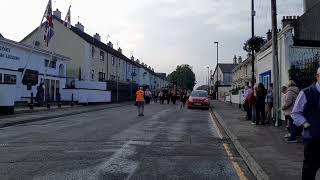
(167, 143)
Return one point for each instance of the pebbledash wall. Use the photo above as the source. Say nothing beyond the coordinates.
(15, 56)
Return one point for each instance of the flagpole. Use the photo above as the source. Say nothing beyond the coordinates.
(34, 44)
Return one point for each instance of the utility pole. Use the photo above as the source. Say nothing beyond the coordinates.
(217, 73)
(253, 13)
(208, 80)
(275, 66)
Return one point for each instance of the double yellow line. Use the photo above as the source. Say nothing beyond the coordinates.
(235, 164)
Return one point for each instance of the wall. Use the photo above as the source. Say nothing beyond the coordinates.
(86, 95)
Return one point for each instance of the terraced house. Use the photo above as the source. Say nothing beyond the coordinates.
(92, 60)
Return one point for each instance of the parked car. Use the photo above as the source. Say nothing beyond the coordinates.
(198, 99)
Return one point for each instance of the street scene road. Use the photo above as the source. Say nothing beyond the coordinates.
(167, 143)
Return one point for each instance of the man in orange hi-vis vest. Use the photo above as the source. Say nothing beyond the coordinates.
(140, 101)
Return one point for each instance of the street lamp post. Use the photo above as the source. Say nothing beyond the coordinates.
(217, 94)
(208, 80)
(133, 74)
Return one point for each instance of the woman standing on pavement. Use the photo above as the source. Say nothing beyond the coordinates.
(260, 104)
(289, 100)
(140, 101)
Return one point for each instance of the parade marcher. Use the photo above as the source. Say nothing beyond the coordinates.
(289, 100)
(269, 103)
(173, 97)
(161, 97)
(168, 97)
(140, 101)
(183, 99)
(260, 104)
(148, 95)
(306, 113)
(247, 93)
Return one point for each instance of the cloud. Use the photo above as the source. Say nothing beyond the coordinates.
(163, 33)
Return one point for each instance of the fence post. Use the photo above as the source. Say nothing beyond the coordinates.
(72, 104)
(31, 101)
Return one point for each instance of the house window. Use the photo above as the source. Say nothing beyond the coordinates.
(92, 52)
(112, 60)
(101, 55)
(53, 64)
(112, 77)
(92, 74)
(102, 76)
(10, 79)
(0, 78)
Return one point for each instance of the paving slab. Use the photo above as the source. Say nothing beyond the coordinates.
(267, 153)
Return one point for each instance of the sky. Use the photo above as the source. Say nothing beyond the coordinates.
(161, 33)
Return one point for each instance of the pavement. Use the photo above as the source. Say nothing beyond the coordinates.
(24, 115)
(263, 148)
(115, 144)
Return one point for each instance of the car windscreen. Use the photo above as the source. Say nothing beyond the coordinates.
(199, 94)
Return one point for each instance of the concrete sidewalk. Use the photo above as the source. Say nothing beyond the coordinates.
(263, 148)
(16, 119)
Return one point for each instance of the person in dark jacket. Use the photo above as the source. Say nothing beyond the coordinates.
(261, 94)
(306, 113)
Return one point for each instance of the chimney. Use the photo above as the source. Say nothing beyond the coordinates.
(308, 4)
(120, 50)
(288, 20)
(269, 35)
(137, 61)
(239, 60)
(57, 13)
(110, 44)
(132, 58)
(149, 67)
(142, 64)
(97, 37)
(152, 69)
(235, 60)
(80, 26)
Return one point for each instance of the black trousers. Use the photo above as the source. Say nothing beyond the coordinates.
(261, 113)
(311, 162)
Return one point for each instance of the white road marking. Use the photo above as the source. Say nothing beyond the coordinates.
(215, 126)
(119, 163)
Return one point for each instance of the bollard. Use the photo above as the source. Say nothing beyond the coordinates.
(59, 100)
(72, 104)
(48, 103)
(31, 102)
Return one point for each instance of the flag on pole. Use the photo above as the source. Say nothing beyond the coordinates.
(67, 19)
(48, 34)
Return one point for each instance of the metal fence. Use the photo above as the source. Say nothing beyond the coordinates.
(303, 71)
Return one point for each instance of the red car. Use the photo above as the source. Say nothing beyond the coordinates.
(198, 99)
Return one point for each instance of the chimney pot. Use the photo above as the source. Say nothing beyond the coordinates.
(80, 26)
(57, 13)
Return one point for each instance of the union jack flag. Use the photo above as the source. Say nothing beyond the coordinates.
(67, 20)
(48, 34)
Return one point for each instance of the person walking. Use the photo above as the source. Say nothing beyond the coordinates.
(260, 104)
(168, 96)
(161, 97)
(183, 99)
(148, 95)
(286, 121)
(289, 100)
(306, 113)
(140, 101)
(269, 103)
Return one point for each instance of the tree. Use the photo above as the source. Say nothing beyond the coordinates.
(183, 77)
(254, 43)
